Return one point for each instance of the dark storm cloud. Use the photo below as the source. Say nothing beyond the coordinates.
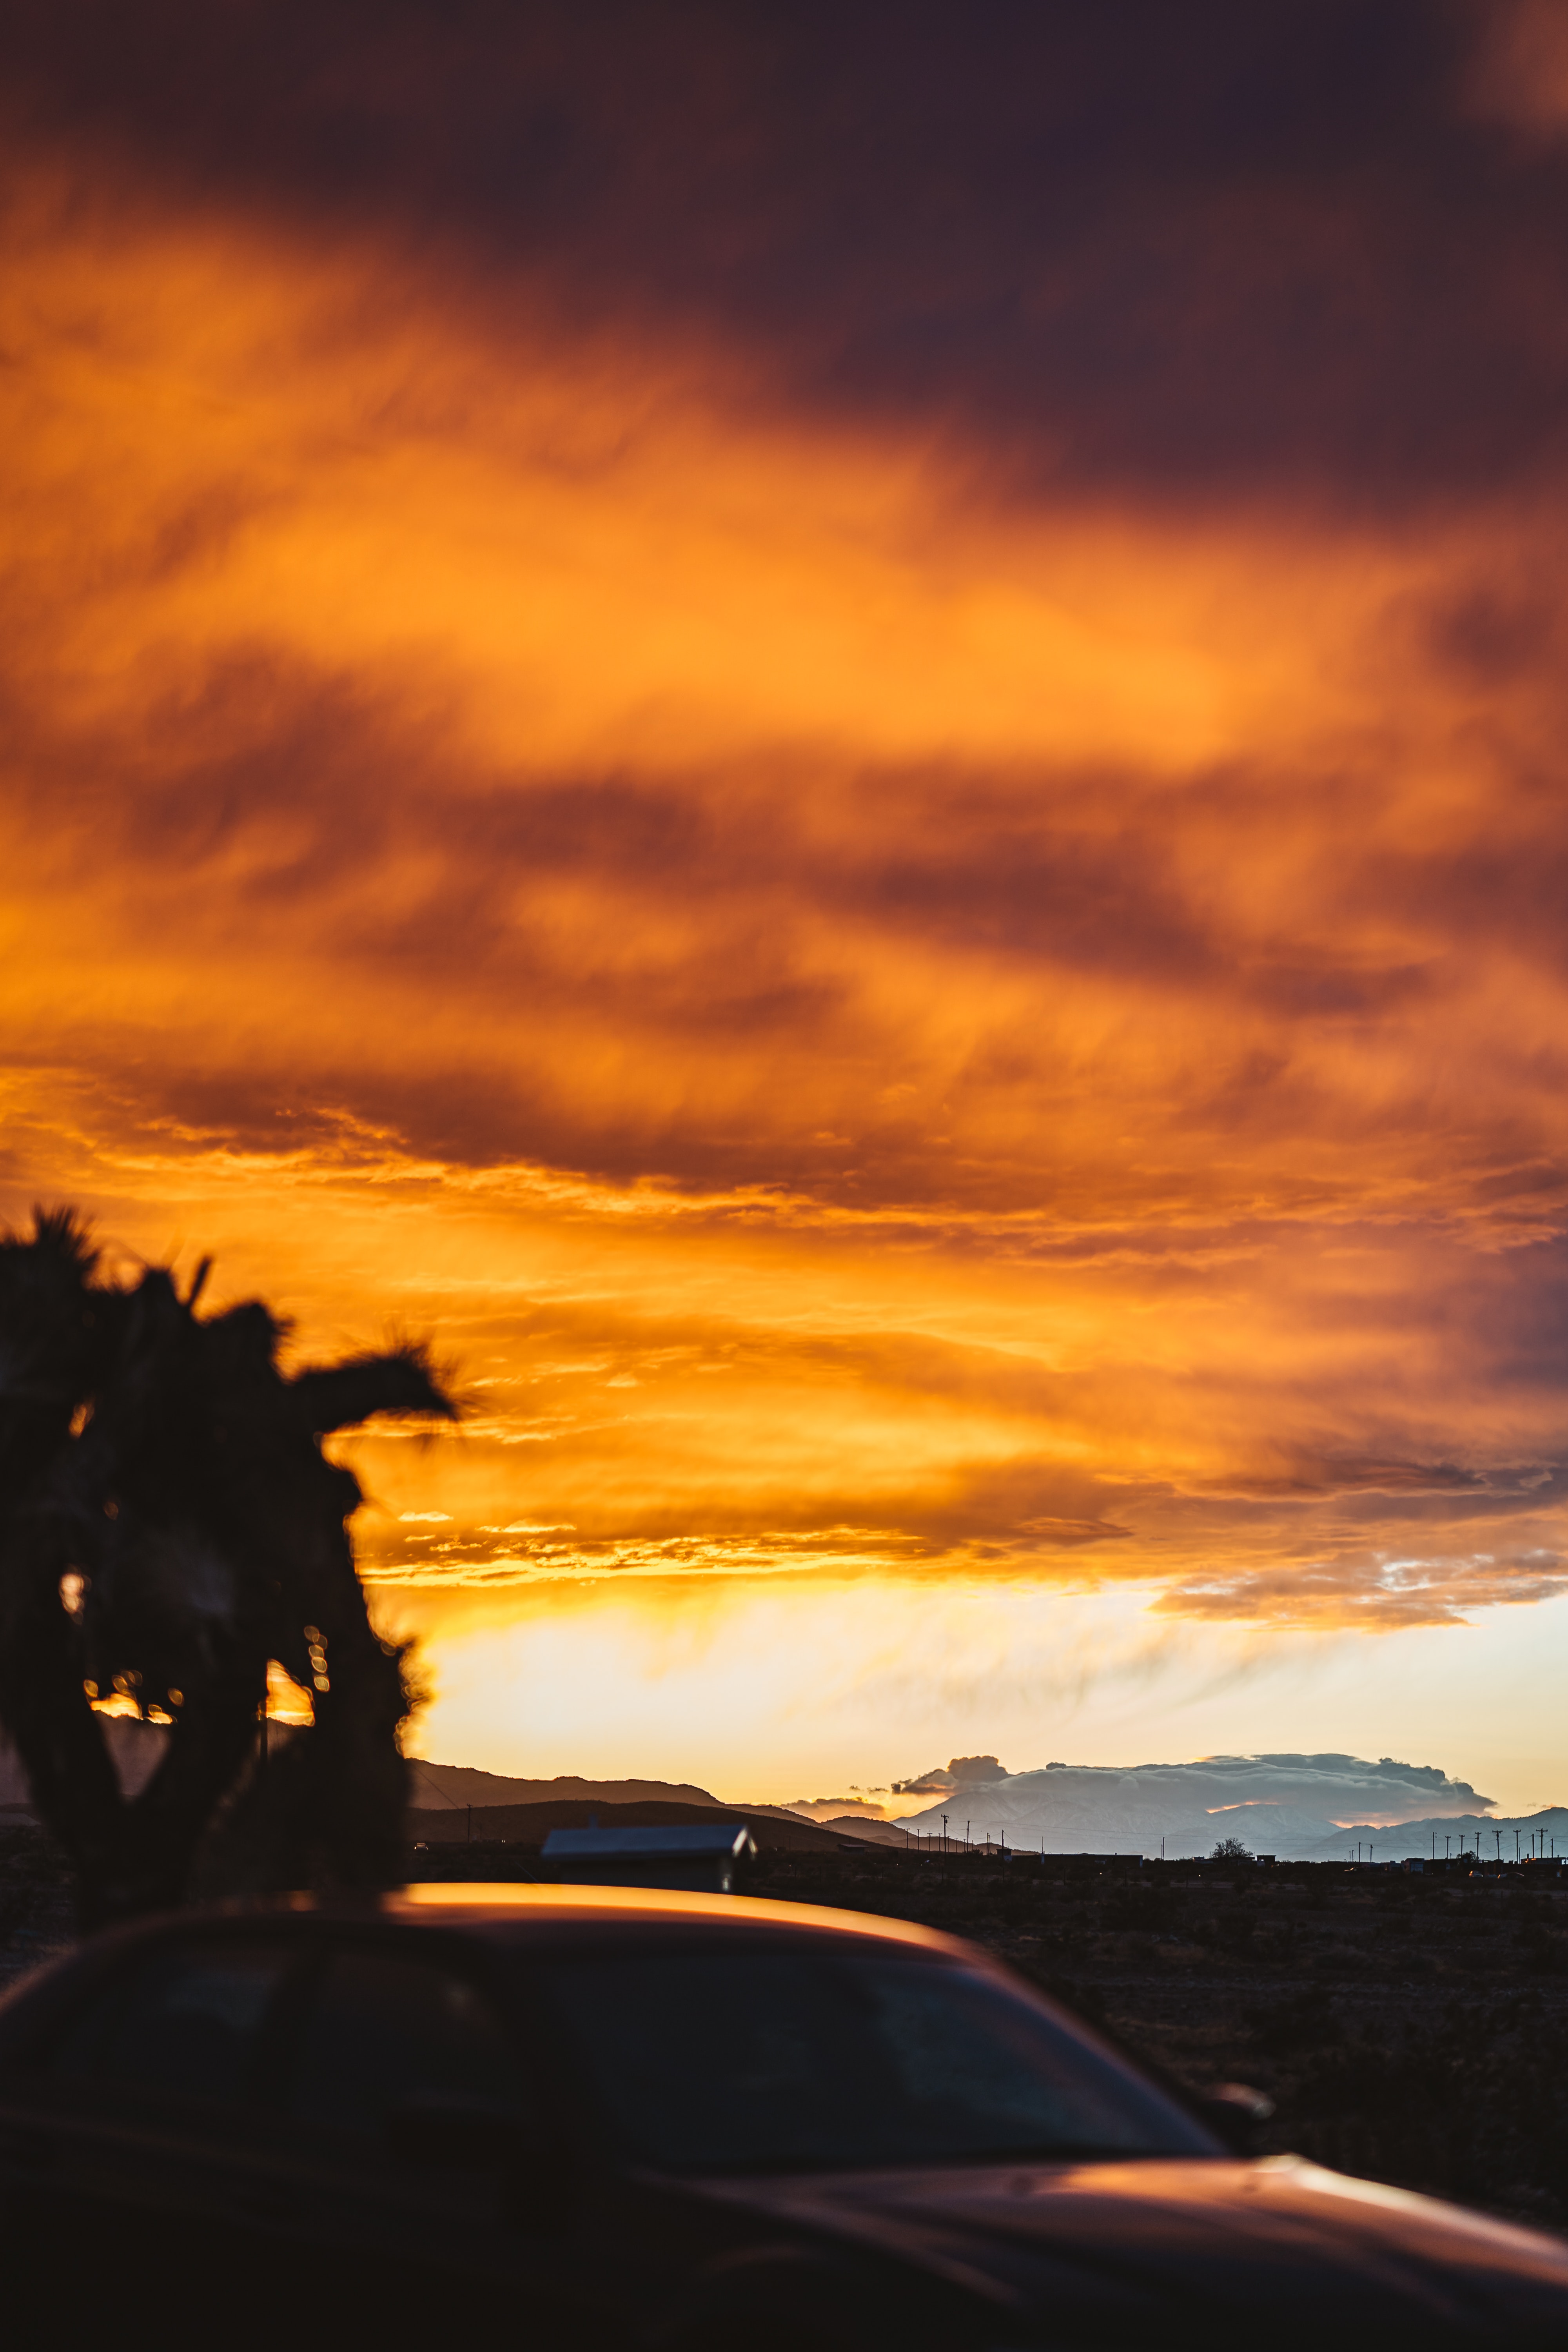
(544, 745)
(1175, 250)
(261, 805)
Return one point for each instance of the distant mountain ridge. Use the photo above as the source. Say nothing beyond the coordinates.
(528, 1825)
(1496, 1836)
(1300, 1806)
(462, 1784)
(136, 1747)
(433, 1786)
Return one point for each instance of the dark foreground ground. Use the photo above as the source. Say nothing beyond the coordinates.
(1413, 2030)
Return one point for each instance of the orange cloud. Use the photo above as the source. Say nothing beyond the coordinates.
(899, 1026)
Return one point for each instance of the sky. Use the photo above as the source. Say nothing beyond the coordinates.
(835, 737)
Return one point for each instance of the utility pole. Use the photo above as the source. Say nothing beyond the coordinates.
(944, 1832)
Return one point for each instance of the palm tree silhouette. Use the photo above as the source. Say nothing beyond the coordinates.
(168, 1525)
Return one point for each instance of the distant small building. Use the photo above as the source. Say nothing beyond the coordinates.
(694, 1858)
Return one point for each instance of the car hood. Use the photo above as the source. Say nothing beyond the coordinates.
(1096, 2254)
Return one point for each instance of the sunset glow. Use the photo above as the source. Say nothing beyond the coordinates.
(964, 1050)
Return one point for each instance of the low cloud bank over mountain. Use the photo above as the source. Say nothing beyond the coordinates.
(1299, 1807)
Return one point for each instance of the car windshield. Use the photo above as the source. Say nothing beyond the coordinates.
(777, 2061)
